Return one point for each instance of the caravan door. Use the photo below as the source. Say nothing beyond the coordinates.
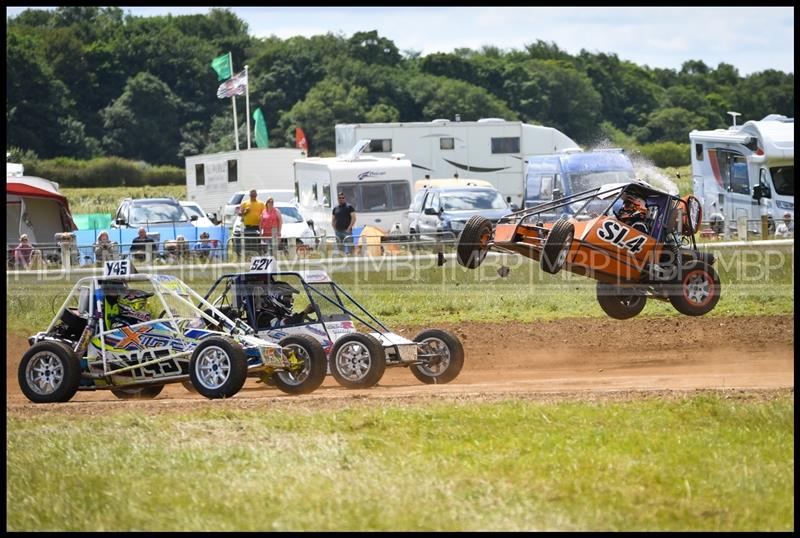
(731, 168)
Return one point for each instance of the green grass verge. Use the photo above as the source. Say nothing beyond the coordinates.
(702, 462)
(759, 281)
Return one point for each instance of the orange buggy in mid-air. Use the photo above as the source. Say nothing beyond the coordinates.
(635, 240)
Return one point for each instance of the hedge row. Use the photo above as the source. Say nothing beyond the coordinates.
(664, 154)
(104, 172)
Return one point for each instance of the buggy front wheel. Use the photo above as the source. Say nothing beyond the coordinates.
(473, 243)
(49, 372)
(218, 367)
(442, 356)
(309, 365)
(557, 246)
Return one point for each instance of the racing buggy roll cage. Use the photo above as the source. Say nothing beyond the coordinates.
(94, 308)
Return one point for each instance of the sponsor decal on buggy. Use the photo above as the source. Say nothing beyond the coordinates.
(126, 338)
(315, 276)
(167, 366)
(615, 233)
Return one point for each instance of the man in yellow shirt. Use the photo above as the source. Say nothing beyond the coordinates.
(251, 221)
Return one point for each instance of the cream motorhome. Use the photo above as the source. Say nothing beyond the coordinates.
(491, 149)
(212, 179)
(378, 188)
(735, 170)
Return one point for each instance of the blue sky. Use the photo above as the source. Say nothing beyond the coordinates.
(750, 38)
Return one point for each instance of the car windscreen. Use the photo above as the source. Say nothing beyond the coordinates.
(290, 214)
(193, 210)
(157, 212)
(472, 199)
(236, 199)
(589, 180)
(783, 180)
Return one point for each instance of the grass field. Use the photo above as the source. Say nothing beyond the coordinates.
(107, 199)
(704, 462)
(756, 281)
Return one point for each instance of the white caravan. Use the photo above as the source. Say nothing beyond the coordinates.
(733, 169)
(378, 188)
(490, 149)
(212, 179)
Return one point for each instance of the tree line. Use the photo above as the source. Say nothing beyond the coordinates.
(85, 82)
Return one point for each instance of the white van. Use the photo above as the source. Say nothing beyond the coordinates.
(378, 188)
(735, 170)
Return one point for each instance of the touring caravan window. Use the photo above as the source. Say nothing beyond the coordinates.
(505, 145)
(379, 146)
(350, 194)
(447, 143)
(374, 197)
(314, 190)
(326, 195)
(401, 195)
(233, 172)
(698, 152)
(199, 175)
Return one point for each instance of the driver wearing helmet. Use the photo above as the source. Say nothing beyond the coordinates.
(125, 306)
(276, 307)
(633, 212)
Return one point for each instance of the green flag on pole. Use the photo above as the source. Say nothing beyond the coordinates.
(262, 137)
(222, 65)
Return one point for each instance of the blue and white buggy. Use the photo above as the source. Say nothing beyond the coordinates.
(98, 341)
(328, 316)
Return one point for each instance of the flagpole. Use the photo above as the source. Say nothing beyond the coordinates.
(233, 100)
(247, 103)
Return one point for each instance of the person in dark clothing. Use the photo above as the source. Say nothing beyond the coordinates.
(141, 245)
(343, 219)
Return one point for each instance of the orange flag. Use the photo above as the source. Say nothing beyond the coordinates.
(300, 139)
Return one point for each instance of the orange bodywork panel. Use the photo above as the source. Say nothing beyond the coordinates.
(603, 247)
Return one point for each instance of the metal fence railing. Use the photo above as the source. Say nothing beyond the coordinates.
(743, 228)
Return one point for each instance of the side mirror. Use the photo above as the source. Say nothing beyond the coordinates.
(120, 220)
(193, 218)
(430, 211)
(761, 191)
(310, 223)
(514, 207)
(556, 194)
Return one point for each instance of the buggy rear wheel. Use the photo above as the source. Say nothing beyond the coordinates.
(620, 303)
(698, 290)
(218, 367)
(309, 365)
(473, 244)
(557, 246)
(49, 372)
(444, 356)
(138, 393)
(357, 361)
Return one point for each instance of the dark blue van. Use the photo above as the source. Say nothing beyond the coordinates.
(548, 177)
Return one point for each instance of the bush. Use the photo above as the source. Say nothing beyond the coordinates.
(664, 154)
(104, 172)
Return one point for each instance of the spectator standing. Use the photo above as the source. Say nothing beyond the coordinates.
(343, 219)
(104, 248)
(251, 221)
(786, 228)
(142, 245)
(271, 224)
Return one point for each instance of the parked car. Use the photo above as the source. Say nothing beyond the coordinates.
(230, 212)
(437, 210)
(150, 212)
(295, 231)
(193, 209)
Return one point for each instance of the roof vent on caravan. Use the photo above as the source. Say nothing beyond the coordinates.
(489, 120)
(778, 117)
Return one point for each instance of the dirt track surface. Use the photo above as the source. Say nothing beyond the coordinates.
(575, 358)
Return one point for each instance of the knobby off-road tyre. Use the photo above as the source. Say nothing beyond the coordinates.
(188, 386)
(357, 361)
(49, 372)
(620, 303)
(312, 371)
(557, 246)
(446, 366)
(698, 290)
(138, 393)
(473, 244)
(218, 367)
